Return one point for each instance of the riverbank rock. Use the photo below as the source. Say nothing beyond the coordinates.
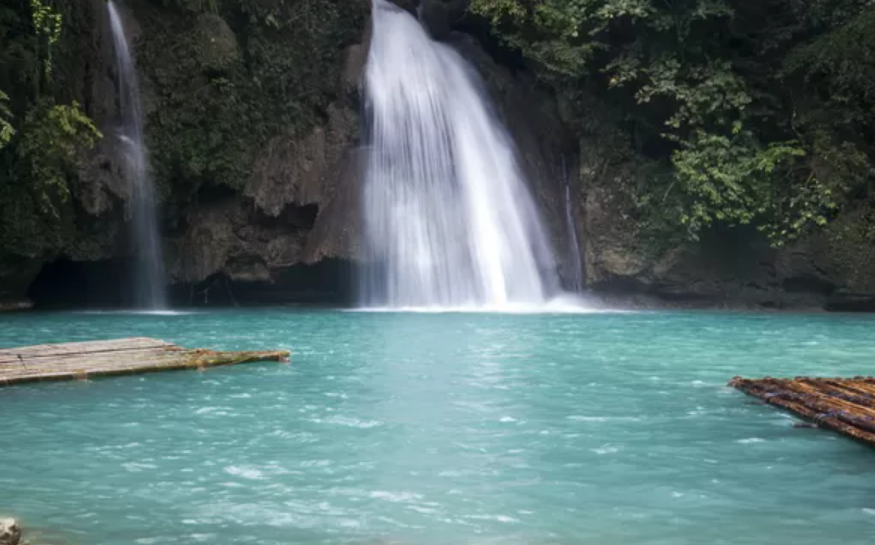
(637, 255)
(10, 532)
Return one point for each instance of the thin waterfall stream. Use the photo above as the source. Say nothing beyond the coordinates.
(149, 284)
(450, 223)
(575, 278)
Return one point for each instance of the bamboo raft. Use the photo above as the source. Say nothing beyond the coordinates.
(83, 360)
(843, 405)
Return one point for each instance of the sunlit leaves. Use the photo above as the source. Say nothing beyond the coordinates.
(731, 180)
(52, 138)
(675, 72)
(48, 24)
(7, 131)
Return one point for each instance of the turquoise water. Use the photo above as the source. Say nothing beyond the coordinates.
(603, 429)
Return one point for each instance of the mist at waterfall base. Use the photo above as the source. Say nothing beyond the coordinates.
(148, 279)
(449, 221)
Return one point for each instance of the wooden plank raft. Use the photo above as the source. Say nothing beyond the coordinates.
(845, 405)
(82, 360)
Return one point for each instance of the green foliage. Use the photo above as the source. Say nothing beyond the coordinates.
(53, 136)
(47, 23)
(731, 180)
(548, 32)
(765, 109)
(7, 131)
(39, 156)
(35, 186)
(282, 81)
(703, 95)
(841, 66)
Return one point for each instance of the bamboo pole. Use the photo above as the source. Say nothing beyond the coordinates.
(843, 405)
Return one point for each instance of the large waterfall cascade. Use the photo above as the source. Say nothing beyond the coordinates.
(450, 222)
(149, 282)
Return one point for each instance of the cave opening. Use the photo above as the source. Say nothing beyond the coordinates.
(65, 284)
(68, 284)
(329, 283)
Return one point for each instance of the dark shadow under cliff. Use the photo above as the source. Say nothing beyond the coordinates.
(65, 285)
(329, 282)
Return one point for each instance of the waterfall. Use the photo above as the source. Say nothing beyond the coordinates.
(149, 290)
(449, 221)
(575, 279)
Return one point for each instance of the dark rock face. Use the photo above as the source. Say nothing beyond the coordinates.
(631, 263)
(218, 49)
(299, 204)
(437, 16)
(293, 204)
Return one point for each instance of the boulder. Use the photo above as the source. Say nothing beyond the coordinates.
(10, 532)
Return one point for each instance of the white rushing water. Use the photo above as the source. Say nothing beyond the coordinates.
(449, 220)
(149, 292)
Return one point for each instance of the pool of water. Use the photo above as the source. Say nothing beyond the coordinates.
(441, 429)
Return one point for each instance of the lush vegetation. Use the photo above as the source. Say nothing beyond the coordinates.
(42, 133)
(754, 112)
(763, 108)
(253, 68)
(220, 78)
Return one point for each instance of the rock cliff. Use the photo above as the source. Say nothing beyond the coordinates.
(253, 130)
(256, 148)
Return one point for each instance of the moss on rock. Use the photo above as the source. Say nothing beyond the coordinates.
(252, 71)
(215, 44)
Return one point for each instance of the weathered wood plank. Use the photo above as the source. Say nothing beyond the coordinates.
(843, 405)
(89, 347)
(82, 360)
(108, 354)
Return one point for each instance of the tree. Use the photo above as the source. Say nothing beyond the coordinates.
(39, 155)
(7, 131)
(710, 85)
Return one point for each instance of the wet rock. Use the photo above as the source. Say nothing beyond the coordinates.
(300, 205)
(297, 171)
(10, 532)
(354, 71)
(406, 5)
(435, 17)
